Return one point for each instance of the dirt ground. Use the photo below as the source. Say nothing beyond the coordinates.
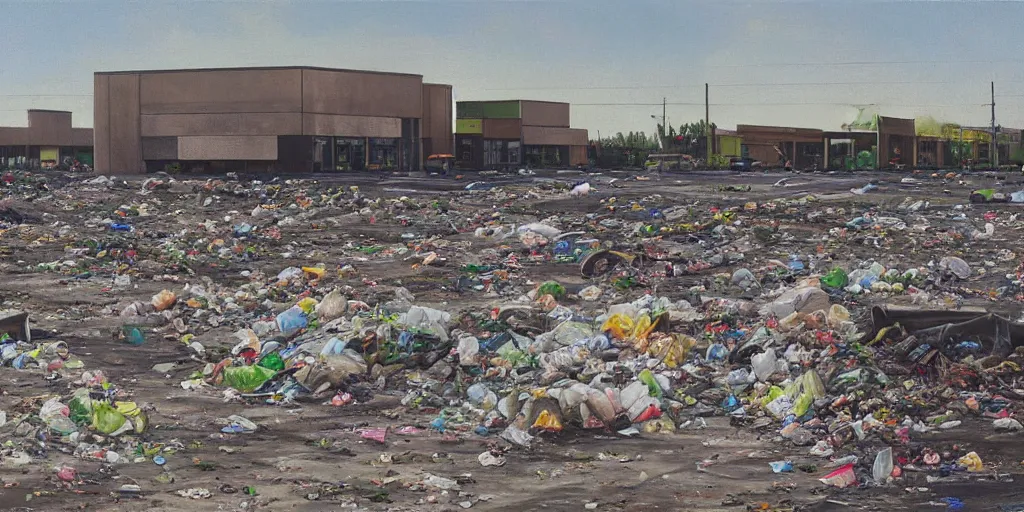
(310, 456)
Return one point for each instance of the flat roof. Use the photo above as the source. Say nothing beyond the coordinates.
(50, 111)
(255, 68)
(520, 100)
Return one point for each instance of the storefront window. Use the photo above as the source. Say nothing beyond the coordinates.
(383, 153)
(513, 152)
(350, 154)
(501, 152)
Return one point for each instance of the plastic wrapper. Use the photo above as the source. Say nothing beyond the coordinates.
(163, 300)
(333, 306)
(292, 320)
(551, 288)
(840, 478)
(972, 462)
(247, 378)
(106, 419)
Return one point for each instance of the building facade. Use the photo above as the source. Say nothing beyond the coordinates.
(803, 148)
(281, 119)
(497, 134)
(48, 141)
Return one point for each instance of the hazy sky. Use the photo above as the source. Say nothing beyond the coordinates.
(909, 58)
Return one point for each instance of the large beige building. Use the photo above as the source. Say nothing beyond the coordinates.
(287, 119)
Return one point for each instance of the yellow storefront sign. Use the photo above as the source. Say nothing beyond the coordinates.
(469, 126)
(48, 156)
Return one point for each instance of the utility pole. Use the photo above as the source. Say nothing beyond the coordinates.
(664, 126)
(993, 148)
(707, 127)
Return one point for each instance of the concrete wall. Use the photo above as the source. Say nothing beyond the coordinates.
(436, 123)
(164, 125)
(578, 155)
(258, 147)
(502, 129)
(221, 91)
(362, 94)
(753, 134)
(356, 126)
(549, 136)
(101, 122)
(543, 113)
(160, 148)
(46, 128)
(125, 146)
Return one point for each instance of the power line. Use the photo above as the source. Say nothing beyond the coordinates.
(46, 95)
(768, 104)
(766, 84)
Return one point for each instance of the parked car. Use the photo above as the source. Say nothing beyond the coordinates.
(744, 164)
(669, 162)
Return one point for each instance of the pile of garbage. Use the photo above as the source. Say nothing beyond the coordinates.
(790, 319)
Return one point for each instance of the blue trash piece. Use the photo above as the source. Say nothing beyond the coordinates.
(437, 424)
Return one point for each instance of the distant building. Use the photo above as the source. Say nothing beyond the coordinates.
(776, 145)
(282, 119)
(492, 134)
(47, 141)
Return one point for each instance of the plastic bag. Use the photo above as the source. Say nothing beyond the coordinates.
(653, 388)
(837, 316)
(272, 361)
(468, 349)
(590, 293)
(549, 421)
(551, 288)
(541, 229)
(972, 462)
(882, 467)
(55, 415)
(430, 320)
(247, 378)
(765, 364)
(163, 300)
(290, 321)
(836, 278)
(307, 305)
(670, 349)
(332, 306)
(106, 419)
(840, 478)
(802, 300)
(134, 414)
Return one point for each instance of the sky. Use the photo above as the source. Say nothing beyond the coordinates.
(805, 63)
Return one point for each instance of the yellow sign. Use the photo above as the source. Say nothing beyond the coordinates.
(48, 154)
(469, 126)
